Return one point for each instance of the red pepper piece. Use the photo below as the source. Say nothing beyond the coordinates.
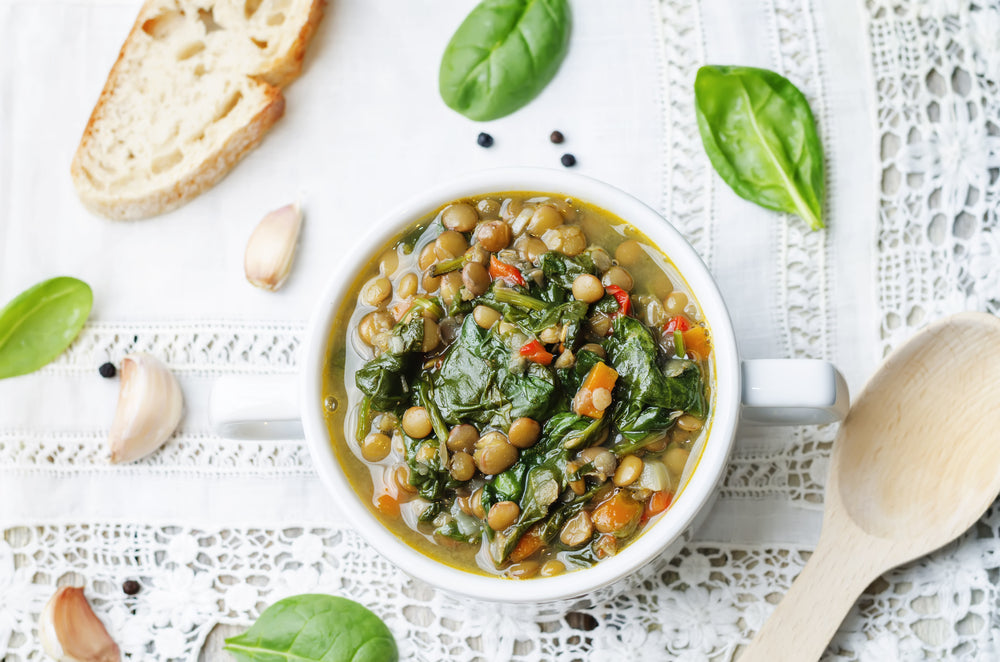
(507, 272)
(678, 323)
(621, 296)
(534, 352)
(657, 503)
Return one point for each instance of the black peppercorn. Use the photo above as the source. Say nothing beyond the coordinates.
(485, 140)
(107, 370)
(130, 587)
(568, 160)
(557, 137)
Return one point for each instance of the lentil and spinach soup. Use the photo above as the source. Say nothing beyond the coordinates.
(519, 384)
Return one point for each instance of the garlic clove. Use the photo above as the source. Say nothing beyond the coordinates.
(149, 408)
(271, 247)
(70, 631)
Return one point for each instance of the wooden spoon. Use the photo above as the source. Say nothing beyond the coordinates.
(916, 463)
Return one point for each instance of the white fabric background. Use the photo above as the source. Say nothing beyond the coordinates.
(216, 530)
(363, 130)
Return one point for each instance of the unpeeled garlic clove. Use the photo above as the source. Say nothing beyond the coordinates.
(271, 247)
(70, 631)
(149, 408)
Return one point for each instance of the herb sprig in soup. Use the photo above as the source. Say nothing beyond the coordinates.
(526, 385)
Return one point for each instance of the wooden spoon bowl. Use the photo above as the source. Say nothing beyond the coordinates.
(916, 463)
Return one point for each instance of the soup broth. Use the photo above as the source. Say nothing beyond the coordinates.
(519, 384)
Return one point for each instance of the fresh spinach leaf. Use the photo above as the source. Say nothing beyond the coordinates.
(40, 323)
(314, 628)
(502, 55)
(387, 378)
(760, 135)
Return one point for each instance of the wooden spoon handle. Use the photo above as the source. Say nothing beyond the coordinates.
(807, 617)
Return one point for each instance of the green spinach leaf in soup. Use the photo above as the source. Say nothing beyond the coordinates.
(502, 55)
(542, 486)
(649, 398)
(563, 270)
(388, 379)
(572, 431)
(477, 382)
(315, 628)
(430, 477)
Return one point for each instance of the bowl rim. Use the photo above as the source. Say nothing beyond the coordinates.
(700, 489)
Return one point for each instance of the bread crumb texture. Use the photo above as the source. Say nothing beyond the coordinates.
(196, 86)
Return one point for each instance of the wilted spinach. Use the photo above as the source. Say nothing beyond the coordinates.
(760, 135)
(387, 379)
(40, 323)
(648, 397)
(476, 382)
(562, 270)
(542, 486)
(571, 378)
(502, 55)
(314, 628)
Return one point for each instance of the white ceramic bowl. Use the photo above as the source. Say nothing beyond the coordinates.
(823, 399)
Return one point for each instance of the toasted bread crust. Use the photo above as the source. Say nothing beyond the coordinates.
(288, 68)
(216, 164)
(210, 171)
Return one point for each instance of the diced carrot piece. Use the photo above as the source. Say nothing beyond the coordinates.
(387, 505)
(529, 543)
(696, 340)
(616, 514)
(600, 376)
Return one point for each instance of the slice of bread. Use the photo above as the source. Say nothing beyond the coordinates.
(196, 85)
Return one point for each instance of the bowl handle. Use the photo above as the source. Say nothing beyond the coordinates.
(793, 392)
(255, 407)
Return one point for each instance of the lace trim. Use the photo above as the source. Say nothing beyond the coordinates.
(796, 472)
(937, 72)
(202, 346)
(185, 453)
(707, 602)
(805, 279)
(688, 177)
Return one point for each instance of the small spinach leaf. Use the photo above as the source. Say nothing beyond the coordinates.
(502, 55)
(40, 323)
(760, 135)
(314, 627)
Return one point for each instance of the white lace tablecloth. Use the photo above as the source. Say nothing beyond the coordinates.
(907, 98)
